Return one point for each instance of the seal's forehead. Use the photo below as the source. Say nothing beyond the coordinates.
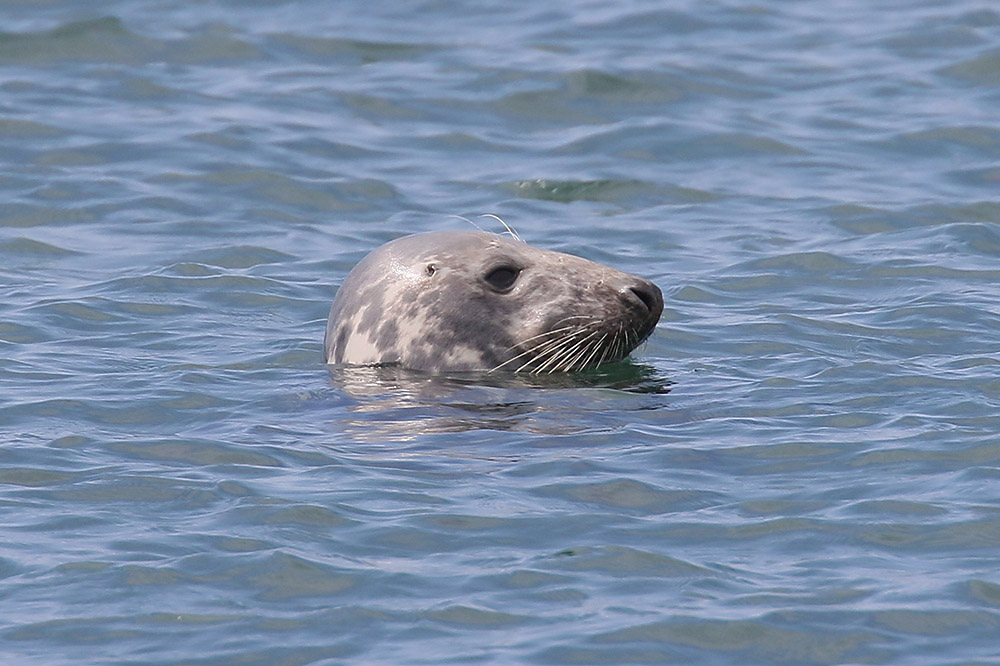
(397, 268)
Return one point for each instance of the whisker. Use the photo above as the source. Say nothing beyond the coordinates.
(546, 352)
(582, 348)
(534, 351)
(545, 346)
(576, 343)
(622, 342)
(597, 348)
(604, 355)
(559, 352)
(568, 356)
(513, 234)
(540, 335)
(614, 348)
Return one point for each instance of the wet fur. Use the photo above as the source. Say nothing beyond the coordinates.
(563, 313)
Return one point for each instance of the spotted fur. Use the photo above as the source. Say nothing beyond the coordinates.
(426, 302)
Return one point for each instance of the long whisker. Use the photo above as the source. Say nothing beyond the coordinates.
(556, 353)
(619, 342)
(547, 351)
(536, 349)
(570, 359)
(581, 348)
(505, 226)
(559, 352)
(546, 334)
(604, 355)
(577, 342)
(597, 347)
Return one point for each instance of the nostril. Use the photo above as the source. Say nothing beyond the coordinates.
(649, 294)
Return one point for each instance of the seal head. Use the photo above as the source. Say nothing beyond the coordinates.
(472, 300)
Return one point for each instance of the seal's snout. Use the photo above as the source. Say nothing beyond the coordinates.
(646, 295)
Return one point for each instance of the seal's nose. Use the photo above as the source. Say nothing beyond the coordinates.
(648, 294)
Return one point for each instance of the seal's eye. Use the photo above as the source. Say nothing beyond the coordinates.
(502, 278)
(431, 269)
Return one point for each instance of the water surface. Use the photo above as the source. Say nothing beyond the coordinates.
(801, 466)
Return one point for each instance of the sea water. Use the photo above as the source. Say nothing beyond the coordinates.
(801, 466)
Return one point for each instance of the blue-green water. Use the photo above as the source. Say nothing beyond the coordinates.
(802, 465)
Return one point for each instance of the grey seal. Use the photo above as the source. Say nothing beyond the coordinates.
(471, 300)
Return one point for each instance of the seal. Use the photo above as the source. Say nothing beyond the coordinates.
(471, 300)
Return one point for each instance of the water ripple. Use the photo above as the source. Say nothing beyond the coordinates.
(799, 466)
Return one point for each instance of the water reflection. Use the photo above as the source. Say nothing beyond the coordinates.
(392, 403)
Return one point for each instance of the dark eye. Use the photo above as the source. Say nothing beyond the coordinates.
(431, 269)
(502, 278)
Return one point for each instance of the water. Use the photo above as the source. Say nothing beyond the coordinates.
(802, 466)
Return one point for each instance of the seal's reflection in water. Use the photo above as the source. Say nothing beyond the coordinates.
(397, 404)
